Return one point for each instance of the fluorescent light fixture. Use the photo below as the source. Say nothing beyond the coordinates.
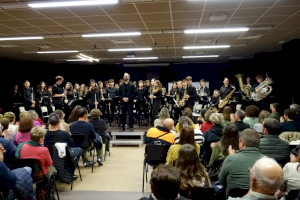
(21, 38)
(112, 34)
(208, 56)
(78, 60)
(85, 57)
(218, 30)
(132, 49)
(140, 58)
(71, 3)
(207, 47)
(57, 51)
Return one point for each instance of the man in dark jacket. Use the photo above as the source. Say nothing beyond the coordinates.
(271, 145)
(28, 96)
(289, 123)
(237, 118)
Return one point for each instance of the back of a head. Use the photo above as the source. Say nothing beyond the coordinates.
(187, 136)
(208, 114)
(290, 113)
(216, 118)
(263, 115)
(203, 112)
(276, 106)
(268, 175)
(95, 113)
(23, 114)
(187, 155)
(295, 107)
(74, 115)
(252, 111)
(240, 114)
(37, 133)
(272, 126)
(33, 114)
(184, 121)
(82, 112)
(227, 110)
(165, 182)
(230, 137)
(188, 112)
(60, 113)
(53, 119)
(10, 115)
(5, 123)
(251, 137)
(26, 124)
(168, 123)
(164, 114)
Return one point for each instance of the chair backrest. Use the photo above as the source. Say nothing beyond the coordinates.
(238, 107)
(237, 192)
(199, 193)
(156, 153)
(81, 140)
(199, 107)
(30, 162)
(53, 108)
(44, 110)
(21, 109)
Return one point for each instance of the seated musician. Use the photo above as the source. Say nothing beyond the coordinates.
(215, 100)
(203, 92)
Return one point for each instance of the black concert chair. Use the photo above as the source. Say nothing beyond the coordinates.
(154, 155)
(106, 141)
(83, 141)
(292, 195)
(237, 192)
(199, 193)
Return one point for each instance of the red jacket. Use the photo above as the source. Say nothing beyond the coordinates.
(206, 126)
(38, 119)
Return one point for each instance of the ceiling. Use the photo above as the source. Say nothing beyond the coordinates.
(62, 29)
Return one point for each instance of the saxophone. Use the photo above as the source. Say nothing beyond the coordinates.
(246, 89)
(226, 100)
(184, 98)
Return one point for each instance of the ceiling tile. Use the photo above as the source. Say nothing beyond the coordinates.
(154, 7)
(255, 12)
(10, 32)
(289, 25)
(157, 17)
(207, 14)
(137, 25)
(241, 21)
(23, 13)
(187, 5)
(14, 23)
(81, 28)
(288, 3)
(217, 5)
(87, 10)
(257, 3)
(294, 19)
(283, 11)
(32, 30)
(119, 9)
(56, 12)
(271, 20)
(4, 16)
(57, 29)
(188, 24)
(97, 19)
(213, 23)
(105, 27)
(41, 22)
(158, 25)
(126, 18)
(186, 15)
(69, 21)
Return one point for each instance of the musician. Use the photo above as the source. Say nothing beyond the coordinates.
(225, 89)
(173, 90)
(17, 101)
(248, 80)
(147, 84)
(203, 92)
(103, 97)
(106, 83)
(191, 93)
(69, 99)
(28, 96)
(264, 103)
(76, 91)
(42, 97)
(112, 92)
(142, 102)
(215, 100)
(178, 96)
(93, 96)
(163, 96)
(127, 95)
(156, 98)
(58, 93)
(82, 96)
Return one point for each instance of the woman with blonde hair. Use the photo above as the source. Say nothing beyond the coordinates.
(163, 114)
(82, 95)
(34, 116)
(157, 94)
(12, 128)
(261, 117)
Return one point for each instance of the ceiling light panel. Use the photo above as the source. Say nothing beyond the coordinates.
(218, 30)
(131, 49)
(207, 47)
(141, 58)
(75, 51)
(20, 38)
(71, 3)
(111, 34)
(208, 56)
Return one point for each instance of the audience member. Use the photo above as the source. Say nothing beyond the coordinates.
(63, 125)
(220, 149)
(201, 119)
(288, 122)
(234, 172)
(163, 114)
(165, 184)
(74, 115)
(34, 116)
(26, 124)
(162, 133)
(82, 127)
(184, 121)
(10, 148)
(237, 119)
(227, 111)
(252, 113)
(296, 108)
(262, 116)
(275, 111)
(266, 177)
(207, 124)
(271, 145)
(193, 173)
(34, 149)
(12, 128)
(188, 113)
(4, 124)
(187, 136)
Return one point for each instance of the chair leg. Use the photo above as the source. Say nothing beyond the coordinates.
(147, 172)
(72, 185)
(79, 171)
(144, 168)
(93, 160)
(56, 189)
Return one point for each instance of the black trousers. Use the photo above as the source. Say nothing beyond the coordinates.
(155, 108)
(103, 107)
(141, 106)
(127, 107)
(110, 115)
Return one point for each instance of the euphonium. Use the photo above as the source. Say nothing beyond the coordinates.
(246, 89)
(264, 89)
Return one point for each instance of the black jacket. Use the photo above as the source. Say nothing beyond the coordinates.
(289, 126)
(191, 91)
(224, 91)
(141, 94)
(57, 89)
(214, 134)
(215, 101)
(53, 137)
(113, 92)
(93, 96)
(127, 90)
(43, 96)
(241, 126)
(100, 128)
(28, 95)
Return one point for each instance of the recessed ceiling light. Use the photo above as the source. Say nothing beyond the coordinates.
(75, 51)
(21, 38)
(131, 49)
(111, 34)
(208, 56)
(218, 16)
(206, 47)
(206, 40)
(71, 3)
(140, 58)
(85, 57)
(216, 30)
(8, 45)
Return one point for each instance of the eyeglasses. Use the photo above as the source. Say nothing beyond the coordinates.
(249, 169)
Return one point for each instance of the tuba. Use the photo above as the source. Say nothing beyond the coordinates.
(264, 89)
(246, 89)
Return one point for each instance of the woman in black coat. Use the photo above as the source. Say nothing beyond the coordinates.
(156, 97)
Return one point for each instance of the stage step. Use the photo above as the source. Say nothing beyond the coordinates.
(127, 138)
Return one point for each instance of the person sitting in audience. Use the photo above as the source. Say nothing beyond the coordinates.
(288, 122)
(4, 127)
(35, 149)
(34, 116)
(12, 136)
(266, 177)
(55, 135)
(74, 115)
(234, 172)
(10, 148)
(201, 119)
(165, 184)
(26, 124)
(207, 124)
(214, 134)
(193, 173)
(237, 119)
(188, 113)
(63, 125)
(162, 133)
(252, 113)
(184, 121)
(227, 111)
(220, 149)
(163, 114)
(271, 145)
(291, 179)
(81, 127)
(274, 107)
(262, 116)
(296, 108)
(12, 128)
(187, 136)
